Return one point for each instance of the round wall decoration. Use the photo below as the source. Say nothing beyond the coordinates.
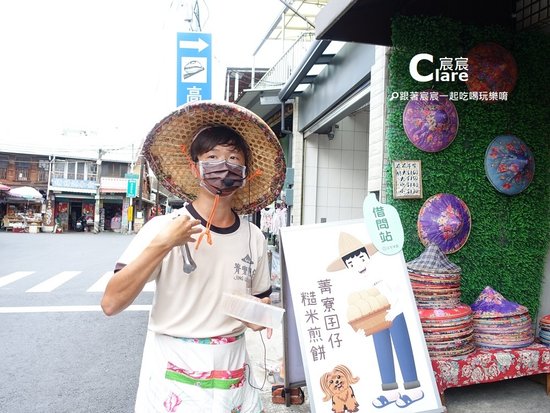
(431, 125)
(491, 68)
(509, 164)
(444, 220)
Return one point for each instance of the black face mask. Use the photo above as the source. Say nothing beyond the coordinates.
(221, 177)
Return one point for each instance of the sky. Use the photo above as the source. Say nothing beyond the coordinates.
(100, 74)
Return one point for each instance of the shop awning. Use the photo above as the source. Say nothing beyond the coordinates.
(369, 21)
(25, 194)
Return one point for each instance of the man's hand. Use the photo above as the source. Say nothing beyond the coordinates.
(256, 327)
(179, 231)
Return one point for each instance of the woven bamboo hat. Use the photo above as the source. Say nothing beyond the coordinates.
(166, 149)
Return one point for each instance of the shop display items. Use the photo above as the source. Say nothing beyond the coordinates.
(500, 323)
(446, 322)
(544, 330)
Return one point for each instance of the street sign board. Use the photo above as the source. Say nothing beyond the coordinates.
(194, 67)
(131, 184)
(131, 188)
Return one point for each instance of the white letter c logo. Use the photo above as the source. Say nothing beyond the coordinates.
(413, 67)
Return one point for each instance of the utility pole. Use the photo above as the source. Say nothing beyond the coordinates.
(132, 213)
(98, 192)
(141, 166)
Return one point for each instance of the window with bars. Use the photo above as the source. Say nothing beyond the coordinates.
(59, 169)
(43, 168)
(80, 170)
(22, 170)
(113, 169)
(3, 167)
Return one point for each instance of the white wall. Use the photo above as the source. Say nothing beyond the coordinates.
(544, 307)
(335, 172)
(377, 156)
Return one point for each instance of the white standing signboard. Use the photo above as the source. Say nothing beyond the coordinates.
(360, 334)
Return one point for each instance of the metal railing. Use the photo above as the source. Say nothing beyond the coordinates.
(282, 70)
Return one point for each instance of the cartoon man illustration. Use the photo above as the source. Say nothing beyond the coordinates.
(389, 332)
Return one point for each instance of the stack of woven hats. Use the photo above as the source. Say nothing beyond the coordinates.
(544, 331)
(499, 323)
(447, 323)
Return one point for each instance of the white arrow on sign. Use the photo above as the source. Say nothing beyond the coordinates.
(199, 44)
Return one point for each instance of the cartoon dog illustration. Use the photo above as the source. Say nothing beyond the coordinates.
(337, 386)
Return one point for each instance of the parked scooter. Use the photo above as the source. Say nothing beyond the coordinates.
(80, 224)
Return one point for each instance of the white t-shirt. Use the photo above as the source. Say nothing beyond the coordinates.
(189, 305)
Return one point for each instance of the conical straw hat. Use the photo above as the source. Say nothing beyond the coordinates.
(166, 149)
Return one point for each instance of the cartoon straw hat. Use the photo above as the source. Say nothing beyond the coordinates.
(347, 244)
(166, 149)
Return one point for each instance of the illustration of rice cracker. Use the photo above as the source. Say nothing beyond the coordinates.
(367, 311)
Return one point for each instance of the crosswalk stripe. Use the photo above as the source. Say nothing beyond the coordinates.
(67, 309)
(52, 283)
(14, 276)
(99, 285)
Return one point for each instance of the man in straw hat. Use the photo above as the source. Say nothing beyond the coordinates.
(391, 337)
(224, 161)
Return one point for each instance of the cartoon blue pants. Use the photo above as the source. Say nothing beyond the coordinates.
(398, 335)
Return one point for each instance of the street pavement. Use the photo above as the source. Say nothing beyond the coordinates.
(25, 340)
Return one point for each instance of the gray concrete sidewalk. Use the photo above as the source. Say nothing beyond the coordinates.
(522, 395)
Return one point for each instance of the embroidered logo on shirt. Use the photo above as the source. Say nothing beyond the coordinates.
(244, 270)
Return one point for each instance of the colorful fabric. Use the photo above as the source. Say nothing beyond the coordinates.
(180, 375)
(431, 125)
(212, 341)
(444, 220)
(509, 164)
(491, 303)
(215, 379)
(485, 366)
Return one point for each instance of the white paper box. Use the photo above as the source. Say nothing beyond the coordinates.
(248, 308)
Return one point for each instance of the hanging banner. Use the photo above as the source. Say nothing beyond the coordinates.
(360, 335)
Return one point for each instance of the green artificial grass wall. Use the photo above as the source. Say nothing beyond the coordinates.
(509, 238)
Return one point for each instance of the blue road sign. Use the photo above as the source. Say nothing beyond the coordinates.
(194, 67)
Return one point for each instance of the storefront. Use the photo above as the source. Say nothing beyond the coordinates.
(112, 208)
(73, 210)
(21, 215)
